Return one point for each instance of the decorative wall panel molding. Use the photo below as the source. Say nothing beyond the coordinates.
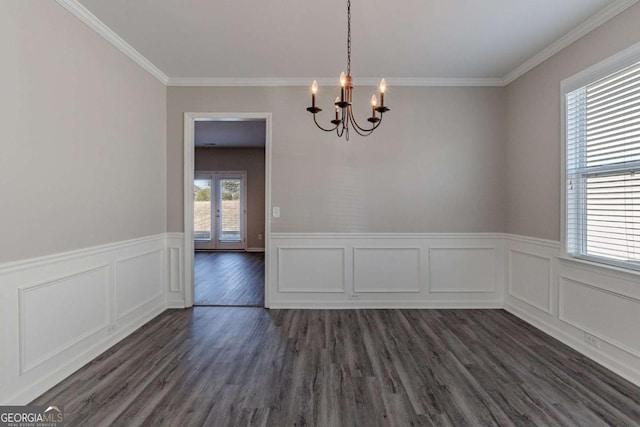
(139, 281)
(317, 270)
(47, 314)
(175, 270)
(530, 279)
(386, 270)
(607, 315)
(462, 269)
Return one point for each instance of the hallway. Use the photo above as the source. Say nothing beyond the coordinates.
(229, 278)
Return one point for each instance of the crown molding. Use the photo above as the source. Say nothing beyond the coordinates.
(330, 81)
(580, 31)
(88, 18)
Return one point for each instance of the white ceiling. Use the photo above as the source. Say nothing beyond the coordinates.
(306, 39)
(230, 133)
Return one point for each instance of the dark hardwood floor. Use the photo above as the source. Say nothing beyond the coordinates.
(229, 278)
(249, 366)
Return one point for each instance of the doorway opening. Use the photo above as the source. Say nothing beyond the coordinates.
(227, 176)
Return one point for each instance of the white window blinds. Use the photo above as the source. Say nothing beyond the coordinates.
(603, 169)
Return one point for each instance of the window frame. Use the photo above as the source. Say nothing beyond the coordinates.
(602, 69)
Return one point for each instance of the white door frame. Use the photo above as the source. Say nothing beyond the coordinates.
(215, 198)
(190, 120)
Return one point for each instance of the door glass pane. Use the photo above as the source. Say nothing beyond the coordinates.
(202, 209)
(230, 210)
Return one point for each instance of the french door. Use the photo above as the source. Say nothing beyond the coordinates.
(219, 210)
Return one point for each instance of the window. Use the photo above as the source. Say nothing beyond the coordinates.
(219, 213)
(603, 169)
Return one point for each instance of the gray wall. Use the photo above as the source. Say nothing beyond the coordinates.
(435, 164)
(533, 127)
(83, 153)
(250, 160)
(82, 157)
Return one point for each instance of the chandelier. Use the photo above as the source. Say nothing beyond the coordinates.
(344, 117)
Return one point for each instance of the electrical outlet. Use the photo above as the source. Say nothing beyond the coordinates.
(591, 340)
(259, 236)
(353, 295)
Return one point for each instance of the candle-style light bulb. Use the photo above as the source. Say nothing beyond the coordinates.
(343, 82)
(374, 103)
(337, 108)
(383, 85)
(314, 90)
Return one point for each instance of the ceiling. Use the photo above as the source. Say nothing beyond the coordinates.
(460, 39)
(230, 133)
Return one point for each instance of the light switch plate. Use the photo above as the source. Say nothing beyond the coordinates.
(276, 212)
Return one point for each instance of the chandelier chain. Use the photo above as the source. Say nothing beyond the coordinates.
(348, 37)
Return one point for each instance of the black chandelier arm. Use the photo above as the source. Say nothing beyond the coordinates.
(359, 129)
(343, 126)
(315, 120)
(367, 132)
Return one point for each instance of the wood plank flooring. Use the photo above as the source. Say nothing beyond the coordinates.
(249, 366)
(229, 278)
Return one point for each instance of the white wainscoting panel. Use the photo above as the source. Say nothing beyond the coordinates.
(611, 317)
(60, 311)
(139, 281)
(386, 269)
(462, 269)
(315, 270)
(530, 278)
(569, 298)
(175, 270)
(49, 314)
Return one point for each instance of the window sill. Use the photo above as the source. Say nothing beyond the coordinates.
(601, 268)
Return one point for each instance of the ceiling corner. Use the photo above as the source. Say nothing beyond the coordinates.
(578, 32)
(89, 19)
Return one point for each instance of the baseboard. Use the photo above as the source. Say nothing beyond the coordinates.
(625, 371)
(389, 305)
(254, 250)
(173, 304)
